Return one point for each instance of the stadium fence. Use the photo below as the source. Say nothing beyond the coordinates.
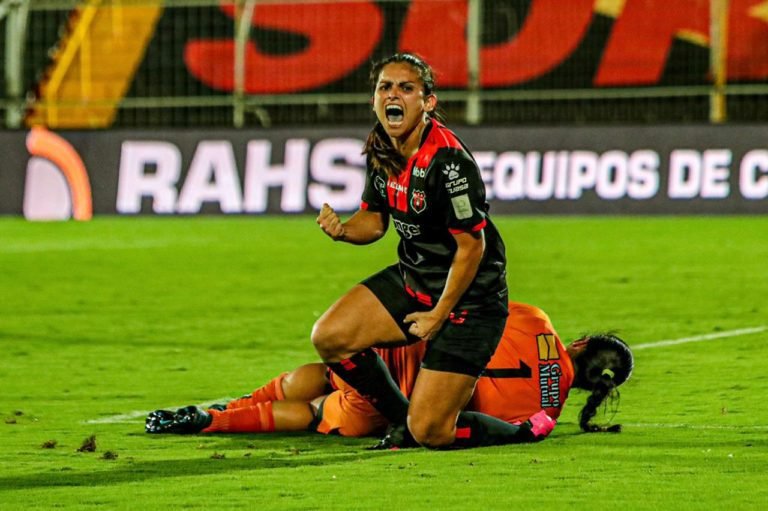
(206, 63)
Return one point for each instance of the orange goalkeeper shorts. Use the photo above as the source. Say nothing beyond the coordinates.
(346, 413)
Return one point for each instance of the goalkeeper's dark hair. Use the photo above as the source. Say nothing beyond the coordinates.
(605, 363)
(378, 147)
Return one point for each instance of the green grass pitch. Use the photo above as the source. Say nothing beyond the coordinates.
(102, 321)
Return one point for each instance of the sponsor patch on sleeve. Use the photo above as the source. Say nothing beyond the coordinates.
(462, 206)
(547, 347)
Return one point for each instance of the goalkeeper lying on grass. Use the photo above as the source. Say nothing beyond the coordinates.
(526, 383)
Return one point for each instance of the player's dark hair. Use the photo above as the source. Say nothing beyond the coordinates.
(378, 147)
(605, 363)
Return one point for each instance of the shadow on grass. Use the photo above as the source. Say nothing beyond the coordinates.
(226, 454)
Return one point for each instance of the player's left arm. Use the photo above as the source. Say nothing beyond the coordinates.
(465, 219)
(466, 261)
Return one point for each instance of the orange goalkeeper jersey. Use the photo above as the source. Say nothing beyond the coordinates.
(530, 370)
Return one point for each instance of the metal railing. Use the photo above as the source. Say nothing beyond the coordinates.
(166, 92)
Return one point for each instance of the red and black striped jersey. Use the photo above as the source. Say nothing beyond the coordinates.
(440, 193)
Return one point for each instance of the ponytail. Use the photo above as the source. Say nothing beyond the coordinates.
(382, 154)
(605, 363)
(604, 388)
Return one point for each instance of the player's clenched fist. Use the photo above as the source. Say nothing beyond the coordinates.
(330, 223)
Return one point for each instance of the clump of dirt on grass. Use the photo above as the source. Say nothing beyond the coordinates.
(49, 444)
(89, 444)
(109, 455)
(14, 419)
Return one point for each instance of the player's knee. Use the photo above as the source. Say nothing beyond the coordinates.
(328, 339)
(322, 337)
(430, 433)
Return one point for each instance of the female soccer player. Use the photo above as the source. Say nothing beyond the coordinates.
(526, 382)
(449, 286)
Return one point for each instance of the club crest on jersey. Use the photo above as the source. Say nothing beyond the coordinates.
(418, 201)
(451, 170)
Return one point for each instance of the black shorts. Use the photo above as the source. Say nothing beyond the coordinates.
(463, 345)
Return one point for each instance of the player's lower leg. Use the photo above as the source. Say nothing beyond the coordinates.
(262, 418)
(272, 391)
(475, 429)
(367, 373)
(257, 418)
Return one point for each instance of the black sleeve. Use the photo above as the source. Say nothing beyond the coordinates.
(461, 190)
(375, 191)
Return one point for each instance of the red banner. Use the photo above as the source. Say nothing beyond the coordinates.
(342, 37)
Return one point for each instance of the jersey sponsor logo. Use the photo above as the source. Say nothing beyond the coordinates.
(547, 347)
(397, 187)
(549, 384)
(407, 230)
(462, 207)
(452, 170)
(457, 185)
(418, 201)
(397, 192)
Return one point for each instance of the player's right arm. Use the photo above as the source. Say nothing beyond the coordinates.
(369, 223)
(362, 228)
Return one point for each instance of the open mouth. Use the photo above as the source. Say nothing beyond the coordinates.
(394, 114)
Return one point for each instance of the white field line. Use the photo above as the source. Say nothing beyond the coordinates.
(131, 417)
(654, 425)
(700, 338)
